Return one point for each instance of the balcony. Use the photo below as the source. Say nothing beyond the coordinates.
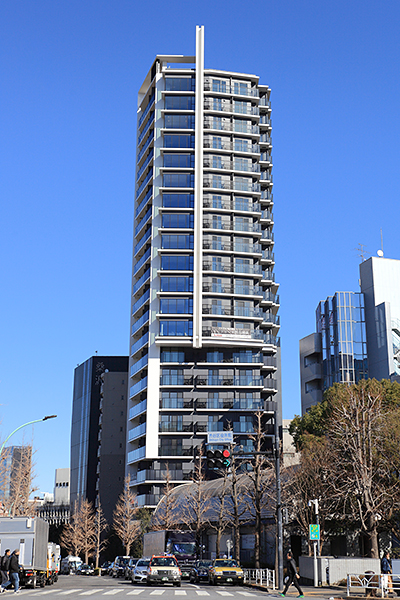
(229, 268)
(137, 410)
(137, 432)
(142, 241)
(136, 455)
(175, 380)
(239, 205)
(176, 403)
(139, 344)
(138, 366)
(140, 282)
(146, 145)
(138, 387)
(140, 322)
(142, 300)
(145, 164)
(268, 275)
(231, 146)
(232, 89)
(231, 226)
(143, 221)
(175, 427)
(219, 404)
(238, 311)
(270, 297)
(145, 182)
(146, 110)
(233, 333)
(145, 129)
(210, 104)
(265, 138)
(219, 125)
(161, 475)
(139, 264)
(218, 288)
(143, 202)
(270, 384)
(245, 381)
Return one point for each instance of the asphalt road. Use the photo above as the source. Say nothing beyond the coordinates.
(96, 588)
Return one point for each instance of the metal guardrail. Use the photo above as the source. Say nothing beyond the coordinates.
(264, 577)
(381, 584)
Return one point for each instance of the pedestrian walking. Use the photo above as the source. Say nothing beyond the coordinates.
(13, 571)
(4, 564)
(293, 576)
(386, 570)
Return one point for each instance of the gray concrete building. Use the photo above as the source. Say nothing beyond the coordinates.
(204, 345)
(98, 433)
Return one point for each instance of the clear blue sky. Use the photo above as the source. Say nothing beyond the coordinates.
(69, 75)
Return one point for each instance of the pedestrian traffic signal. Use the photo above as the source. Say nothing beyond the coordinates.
(218, 460)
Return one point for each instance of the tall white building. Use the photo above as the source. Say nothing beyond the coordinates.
(204, 352)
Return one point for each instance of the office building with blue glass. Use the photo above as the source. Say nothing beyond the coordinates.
(204, 346)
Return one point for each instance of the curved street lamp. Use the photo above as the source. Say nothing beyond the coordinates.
(24, 425)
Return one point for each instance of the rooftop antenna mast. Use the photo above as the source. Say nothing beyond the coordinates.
(361, 251)
(380, 252)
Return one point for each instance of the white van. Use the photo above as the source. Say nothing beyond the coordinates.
(70, 564)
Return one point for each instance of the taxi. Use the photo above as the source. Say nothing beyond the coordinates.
(226, 570)
(164, 569)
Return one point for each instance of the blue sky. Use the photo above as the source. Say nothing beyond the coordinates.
(69, 75)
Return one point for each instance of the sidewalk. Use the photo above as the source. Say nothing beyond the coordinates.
(323, 593)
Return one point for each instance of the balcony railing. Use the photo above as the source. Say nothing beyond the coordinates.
(236, 381)
(137, 432)
(143, 221)
(145, 182)
(140, 282)
(217, 288)
(138, 387)
(231, 226)
(142, 241)
(175, 427)
(271, 297)
(140, 322)
(225, 145)
(136, 455)
(138, 366)
(233, 333)
(250, 206)
(175, 380)
(139, 264)
(232, 89)
(138, 409)
(174, 403)
(232, 268)
(142, 300)
(145, 164)
(268, 275)
(146, 110)
(140, 343)
(238, 311)
(161, 475)
(143, 202)
(146, 128)
(210, 104)
(146, 145)
(218, 125)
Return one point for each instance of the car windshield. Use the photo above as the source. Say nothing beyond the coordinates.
(123, 561)
(143, 563)
(204, 563)
(183, 548)
(226, 563)
(164, 561)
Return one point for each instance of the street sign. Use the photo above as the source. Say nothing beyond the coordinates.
(314, 532)
(220, 437)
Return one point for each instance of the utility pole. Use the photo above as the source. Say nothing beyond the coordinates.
(279, 526)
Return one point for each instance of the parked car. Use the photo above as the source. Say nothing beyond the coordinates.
(85, 570)
(129, 567)
(104, 567)
(164, 569)
(118, 569)
(226, 570)
(139, 573)
(110, 568)
(200, 571)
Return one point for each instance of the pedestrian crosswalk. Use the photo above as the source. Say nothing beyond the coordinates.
(122, 592)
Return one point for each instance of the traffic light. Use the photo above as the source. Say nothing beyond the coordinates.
(218, 460)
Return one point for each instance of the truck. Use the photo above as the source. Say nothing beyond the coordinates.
(30, 536)
(53, 563)
(182, 544)
(70, 564)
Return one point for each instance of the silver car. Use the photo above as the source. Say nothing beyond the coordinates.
(139, 573)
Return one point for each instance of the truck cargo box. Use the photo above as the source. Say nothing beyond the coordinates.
(29, 536)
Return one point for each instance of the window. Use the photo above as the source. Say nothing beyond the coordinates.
(243, 224)
(215, 356)
(216, 307)
(178, 200)
(217, 162)
(176, 328)
(219, 85)
(240, 88)
(242, 145)
(171, 399)
(178, 306)
(179, 121)
(172, 376)
(179, 102)
(171, 423)
(217, 222)
(241, 125)
(184, 161)
(178, 220)
(179, 84)
(171, 447)
(172, 355)
(214, 424)
(243, 265)
(243, 183)
(242, 107)
(217, 123)
(178, 241)
(217, 103)
(217, 181)
(242, 164)
(243, 204)
(217, 143)
(216, 263)
(178, 141)
(176, 284)
(178, 180)
(181, 262)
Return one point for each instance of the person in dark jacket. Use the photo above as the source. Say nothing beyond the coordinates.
(13, 571)
(293, 576)
(5, 562)
(386, 569)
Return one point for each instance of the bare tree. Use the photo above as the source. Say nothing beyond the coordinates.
(166, 516)
(125, 524)
(222, 521)
(261, 478)
(71, 537)
(194, 514)
(235, 507)
(100, 526)
(19, 502)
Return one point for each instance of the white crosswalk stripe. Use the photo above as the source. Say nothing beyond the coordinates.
(245, 593)
(224, 593)
(180, 593)
(202, 593)
(66, 592)
(90, 592)
(157, 593)
(134, 592)
(112, 592)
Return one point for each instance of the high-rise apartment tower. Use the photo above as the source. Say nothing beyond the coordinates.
(204, 352)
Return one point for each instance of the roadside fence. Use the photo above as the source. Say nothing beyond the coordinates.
(374, 584)
(264, 577)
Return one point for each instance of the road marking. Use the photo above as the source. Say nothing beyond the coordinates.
(134, 592)
(112, 592)
(157, 593)
(246, 593)
(180, 593)
(66, 592)
(224, 593)
(90, 592)
(202, 593)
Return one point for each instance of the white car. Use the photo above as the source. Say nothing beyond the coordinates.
(139, 573)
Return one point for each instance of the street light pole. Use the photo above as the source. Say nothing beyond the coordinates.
(24, 425)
